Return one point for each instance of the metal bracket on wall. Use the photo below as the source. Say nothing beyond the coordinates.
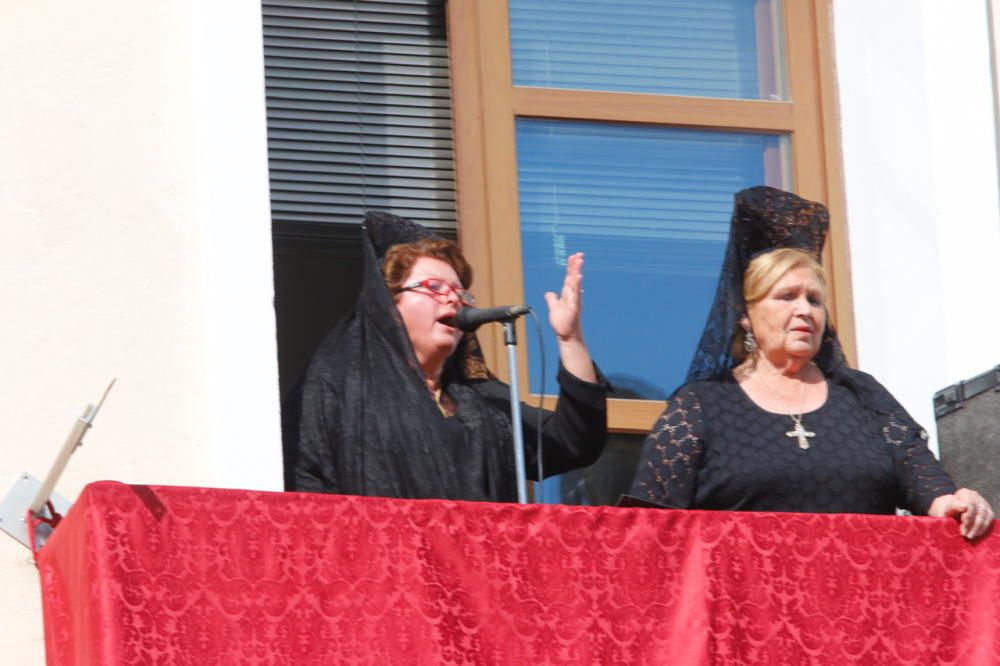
(37, 498)
(14, 510)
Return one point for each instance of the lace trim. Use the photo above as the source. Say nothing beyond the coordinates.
(921, 475)
(673, 443)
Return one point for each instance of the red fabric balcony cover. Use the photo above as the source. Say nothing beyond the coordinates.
(166, 575)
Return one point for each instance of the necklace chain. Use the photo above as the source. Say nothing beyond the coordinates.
(799, 432)
(802, 393)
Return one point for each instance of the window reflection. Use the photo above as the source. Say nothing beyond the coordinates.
(650, 208)
(723, 48)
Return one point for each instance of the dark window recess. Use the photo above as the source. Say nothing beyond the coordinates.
(604, 482)
(317, 277)
(359, 118)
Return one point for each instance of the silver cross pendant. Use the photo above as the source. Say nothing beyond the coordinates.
(801, 433)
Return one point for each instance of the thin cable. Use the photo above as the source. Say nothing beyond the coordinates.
(541, 402)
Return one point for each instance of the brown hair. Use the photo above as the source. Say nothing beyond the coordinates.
(400, 258)
(763, 273)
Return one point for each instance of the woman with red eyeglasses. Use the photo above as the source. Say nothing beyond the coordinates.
(397, 401)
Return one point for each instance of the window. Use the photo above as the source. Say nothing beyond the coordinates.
(649, 206)
(624, 129)
(359, 118)
(359, 111)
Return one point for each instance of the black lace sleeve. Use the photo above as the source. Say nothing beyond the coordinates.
(921, 476)
(672, 453)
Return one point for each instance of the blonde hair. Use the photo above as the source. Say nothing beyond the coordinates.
(766, 269)
(763, 273)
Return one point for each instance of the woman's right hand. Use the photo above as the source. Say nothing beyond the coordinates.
(973, 513)
(564, 317)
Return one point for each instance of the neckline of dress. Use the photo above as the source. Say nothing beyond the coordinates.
(746, 396)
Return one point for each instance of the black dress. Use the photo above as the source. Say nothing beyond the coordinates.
(714, 448)
(470, 456)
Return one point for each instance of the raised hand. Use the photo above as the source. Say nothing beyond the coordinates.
(564, 309)
(564, 317)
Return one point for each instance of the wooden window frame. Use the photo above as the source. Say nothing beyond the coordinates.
(485, 106)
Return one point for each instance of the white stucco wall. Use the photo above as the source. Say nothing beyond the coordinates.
(921, 187)
(234, 218)
(134, 243)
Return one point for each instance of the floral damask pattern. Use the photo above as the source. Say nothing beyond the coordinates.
(165, 575)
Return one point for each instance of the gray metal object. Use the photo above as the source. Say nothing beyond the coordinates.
(968, 425)
(14, 509)
(30, 494)
(954, 397)
(510, 340)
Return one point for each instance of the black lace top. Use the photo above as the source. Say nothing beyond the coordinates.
(714, 448)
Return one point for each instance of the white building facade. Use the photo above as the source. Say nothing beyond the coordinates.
(137, 238)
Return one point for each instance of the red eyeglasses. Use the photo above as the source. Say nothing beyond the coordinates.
(440, 290)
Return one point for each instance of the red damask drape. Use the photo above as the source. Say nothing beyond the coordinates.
(166, 575)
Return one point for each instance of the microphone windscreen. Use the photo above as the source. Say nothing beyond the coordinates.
(470, 318)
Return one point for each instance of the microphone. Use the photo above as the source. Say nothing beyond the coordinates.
(469, 318)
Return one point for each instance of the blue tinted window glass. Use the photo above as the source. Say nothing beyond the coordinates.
(650, 207)
(707, 48)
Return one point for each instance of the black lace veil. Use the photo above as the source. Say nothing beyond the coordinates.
(363, 422)
(381, 231)
(764, 219)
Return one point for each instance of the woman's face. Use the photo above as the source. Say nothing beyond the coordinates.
(789, 320)
(430, 318)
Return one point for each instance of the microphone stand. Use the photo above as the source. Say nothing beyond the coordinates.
(510, 341)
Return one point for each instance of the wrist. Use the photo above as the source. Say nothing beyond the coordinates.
(575, 337)
(939, 506)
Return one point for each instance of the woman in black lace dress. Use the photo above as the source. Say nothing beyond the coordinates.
(771, 419)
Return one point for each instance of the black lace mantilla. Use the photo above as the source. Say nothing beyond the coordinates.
(764, 218)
